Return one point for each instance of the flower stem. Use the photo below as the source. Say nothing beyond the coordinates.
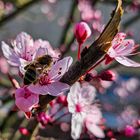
(13, 81)
(79, 51)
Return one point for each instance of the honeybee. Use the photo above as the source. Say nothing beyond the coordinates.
(36, 67)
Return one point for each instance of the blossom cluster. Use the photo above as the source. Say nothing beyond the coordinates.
(41, 69)
(26, 51)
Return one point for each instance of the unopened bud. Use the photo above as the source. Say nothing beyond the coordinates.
(107, 75)
(82, 32)
(52, 103)
(88, 77)
(110, 134)
(62, 99)
(24, 131)
(129, 131)
(43, 118)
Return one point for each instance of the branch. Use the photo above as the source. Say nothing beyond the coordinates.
(16, 12)
(94, 53)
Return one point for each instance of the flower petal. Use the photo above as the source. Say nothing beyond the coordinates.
(53, 89)
(73, 96)
(44, 48)
(25, 103)
(95, 130)
(9, 54)
(60, 68)
(126, 47)
(76, 126)
(87, 93)
(118, 39)
(127, 62)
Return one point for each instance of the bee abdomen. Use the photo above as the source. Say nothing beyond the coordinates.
(30, 75)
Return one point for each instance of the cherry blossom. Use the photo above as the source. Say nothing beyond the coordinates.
(25, 50)
(25, 100)
(48, 82)
(121, 48)
(84, 112)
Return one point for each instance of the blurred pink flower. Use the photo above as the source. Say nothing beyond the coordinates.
(3, 65)
(43, 118)
(25, 100)
(129, 131)
(84, 112)
(87, 11)
(121, 48)
(82, 32)
(48, 82)
(62, 99)
(24, 131)
(9, 7)
(25, 50)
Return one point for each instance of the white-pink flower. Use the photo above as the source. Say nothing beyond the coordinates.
(121, 48)
(48, 82)
(84, 112)
(25, 100)
(25, 50)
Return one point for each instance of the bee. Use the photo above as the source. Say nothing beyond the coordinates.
(36, 67)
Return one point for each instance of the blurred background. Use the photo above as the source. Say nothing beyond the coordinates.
(53, 20)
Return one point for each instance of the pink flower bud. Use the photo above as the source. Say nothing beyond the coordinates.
(52, 103)
(129, 131)
(43, 118)
(82, 32)
(107, 75)
(62, 100)
(24, 131)
(110, 134)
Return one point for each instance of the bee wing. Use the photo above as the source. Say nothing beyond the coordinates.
(60, 68)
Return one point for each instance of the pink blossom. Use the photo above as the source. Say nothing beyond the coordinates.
(3, 65)
(48, 82)
(24, 131)
(84, 112)
(121, 48)
(82, 32)
(62, 99)
(129, 131)
(25, 100)
(87, 11)
(25, 50)
(43, 118)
